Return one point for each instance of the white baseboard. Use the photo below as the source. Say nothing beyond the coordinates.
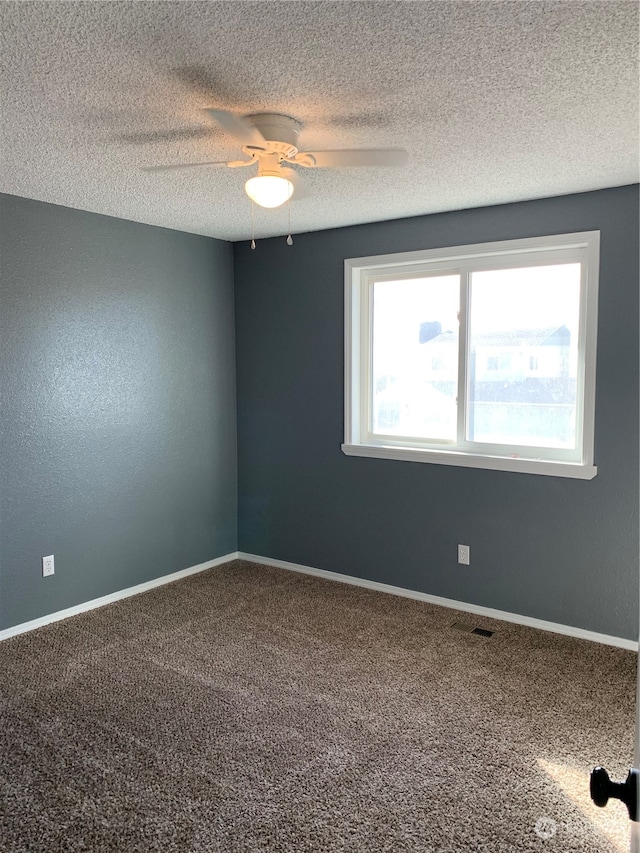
(529, 621)
(114, 596)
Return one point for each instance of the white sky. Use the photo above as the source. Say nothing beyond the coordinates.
(530, 298)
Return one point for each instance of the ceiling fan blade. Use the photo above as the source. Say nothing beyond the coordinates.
(300, 189)
(166, 136)
(232, 164)
(243, 130)
(352, 157)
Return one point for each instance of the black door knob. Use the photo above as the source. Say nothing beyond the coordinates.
(603, 789)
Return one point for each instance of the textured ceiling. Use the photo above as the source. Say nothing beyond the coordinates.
(494, 102)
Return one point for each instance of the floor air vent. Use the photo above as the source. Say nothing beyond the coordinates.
(467, 628)
(462, 626)
(482, 632)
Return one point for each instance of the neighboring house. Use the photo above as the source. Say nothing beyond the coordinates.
(523, 387)
(532, 365)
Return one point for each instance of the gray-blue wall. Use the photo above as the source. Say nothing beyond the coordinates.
(118, 436)
(556, 549)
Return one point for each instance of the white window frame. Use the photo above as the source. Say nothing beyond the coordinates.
(362, 273)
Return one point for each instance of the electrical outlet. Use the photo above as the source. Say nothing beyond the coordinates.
(48, 567)
(464, 555)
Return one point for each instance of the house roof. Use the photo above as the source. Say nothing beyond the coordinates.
(511, 337)
(494, 102)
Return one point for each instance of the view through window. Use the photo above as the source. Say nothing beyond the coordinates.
(527, 322)
(485, 353)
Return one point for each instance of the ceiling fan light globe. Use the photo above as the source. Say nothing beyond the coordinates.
(269, 190)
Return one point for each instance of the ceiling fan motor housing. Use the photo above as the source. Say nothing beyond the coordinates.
(280, 133)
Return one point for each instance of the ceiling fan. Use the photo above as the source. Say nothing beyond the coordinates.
(271, 141)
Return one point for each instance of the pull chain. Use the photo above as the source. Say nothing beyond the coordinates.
(253, 230)
(289, 238)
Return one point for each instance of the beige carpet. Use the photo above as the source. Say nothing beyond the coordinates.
(252, 709)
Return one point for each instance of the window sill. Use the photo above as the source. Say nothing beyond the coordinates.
(573, 470)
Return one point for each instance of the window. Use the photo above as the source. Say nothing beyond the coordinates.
(482, 356)
(498, 362)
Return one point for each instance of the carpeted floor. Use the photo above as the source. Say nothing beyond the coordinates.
(252, 709)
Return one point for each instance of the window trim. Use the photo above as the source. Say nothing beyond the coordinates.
(359, 272)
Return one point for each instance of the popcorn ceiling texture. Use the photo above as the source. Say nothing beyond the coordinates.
(250, 709)
(495, 102)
